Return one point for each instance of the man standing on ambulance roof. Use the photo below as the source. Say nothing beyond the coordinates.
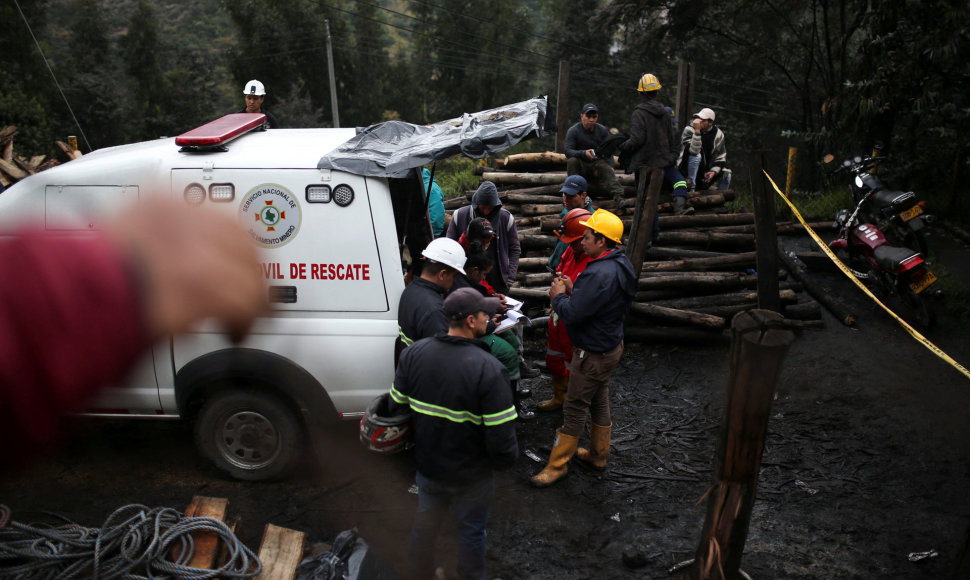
(593, 309)
(419, 313)
(505, 249)
(255, 94)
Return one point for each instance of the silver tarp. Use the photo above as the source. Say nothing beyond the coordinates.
(393, 148)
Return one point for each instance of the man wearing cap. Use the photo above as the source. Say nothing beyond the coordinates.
(582, 140)
(255, 93)
(574, 196)
(505, 248)
(419, 313)
(703, 153)
(653, 144)
(593, 308)
(463, 423)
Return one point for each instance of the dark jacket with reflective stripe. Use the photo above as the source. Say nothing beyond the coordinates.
(461, 399)
(420, 313)
(594, 312)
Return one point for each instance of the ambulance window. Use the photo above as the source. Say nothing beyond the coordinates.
(85, 207)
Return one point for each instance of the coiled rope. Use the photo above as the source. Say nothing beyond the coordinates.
(135, 542)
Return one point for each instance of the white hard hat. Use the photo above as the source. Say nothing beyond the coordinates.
(254, 87)
(446, 251)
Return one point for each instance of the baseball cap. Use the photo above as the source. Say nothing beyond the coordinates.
(705, 113)
(574, 185)
(480, 228)
(590, 107)
(466, 301)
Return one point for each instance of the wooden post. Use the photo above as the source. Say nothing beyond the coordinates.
(758, 347)
(766, 240)
(562, 105)
(685, 94)
(792, 162)
(641, 231)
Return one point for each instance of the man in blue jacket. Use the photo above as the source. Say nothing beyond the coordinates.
(464, 429)
(593, 309)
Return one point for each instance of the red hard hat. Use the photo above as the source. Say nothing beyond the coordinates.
(570, 229)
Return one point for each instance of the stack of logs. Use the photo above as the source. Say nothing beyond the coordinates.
(698, 274)
(14, 167)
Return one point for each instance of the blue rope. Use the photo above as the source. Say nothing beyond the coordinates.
(135, 542)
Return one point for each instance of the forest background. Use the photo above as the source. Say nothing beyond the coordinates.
(826, 76)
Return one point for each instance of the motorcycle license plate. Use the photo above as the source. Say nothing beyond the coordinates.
(921, 284)
(911, 213)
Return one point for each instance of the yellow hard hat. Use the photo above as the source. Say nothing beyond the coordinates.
(649, 82)
(606, 223)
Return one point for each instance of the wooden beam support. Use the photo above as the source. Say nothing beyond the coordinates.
(280, 552)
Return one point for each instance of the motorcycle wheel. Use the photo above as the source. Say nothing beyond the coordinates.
(919, 306)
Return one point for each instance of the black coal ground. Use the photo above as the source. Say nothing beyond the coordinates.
(866, 462)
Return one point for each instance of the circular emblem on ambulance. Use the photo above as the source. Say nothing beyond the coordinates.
(271, 213)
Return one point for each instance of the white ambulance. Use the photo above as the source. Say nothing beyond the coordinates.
(335, 213)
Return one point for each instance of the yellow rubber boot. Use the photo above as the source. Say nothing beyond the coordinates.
(559, 385)
(562, 451)
(599, 443)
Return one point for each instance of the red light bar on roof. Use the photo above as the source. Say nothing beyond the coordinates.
(222, 130)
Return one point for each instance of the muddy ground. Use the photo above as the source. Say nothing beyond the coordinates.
(866, 462)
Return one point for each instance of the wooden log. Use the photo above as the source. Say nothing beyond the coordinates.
(515, 197)
(8, 151)
(206, 544)
(540, 279)
(652, 333)
(699, 220)
(725, 299)
(682, 317)
(708, 239)
(539, 190)
(657, 253)
(521, 159)
(12, 170)
(530, 293)
(758, 350)
(547, 178)
(527, 222)
(533, 263)
(728, 261)
(807, 310)
(832, 304)
(35, 162)
(537, 241)
(533, 231)
(455, 203)
(280, 552)
(531, 209)
(68, 150)
(699, 280)
(23, 164)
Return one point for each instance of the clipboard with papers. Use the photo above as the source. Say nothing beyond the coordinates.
(513, 315)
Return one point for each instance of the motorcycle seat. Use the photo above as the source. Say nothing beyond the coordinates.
(895, 199)
(891, 257)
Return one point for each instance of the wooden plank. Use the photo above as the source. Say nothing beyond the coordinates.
(12, 170)
(206, 543)
(280, 552)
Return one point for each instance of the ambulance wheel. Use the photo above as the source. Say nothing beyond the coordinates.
(250, 435)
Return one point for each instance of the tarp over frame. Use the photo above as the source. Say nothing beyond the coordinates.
(393, 148)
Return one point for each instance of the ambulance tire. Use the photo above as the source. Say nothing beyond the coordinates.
(250, 435)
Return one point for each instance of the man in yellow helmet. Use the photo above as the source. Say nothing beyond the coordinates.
(654, 143)
(592, 308)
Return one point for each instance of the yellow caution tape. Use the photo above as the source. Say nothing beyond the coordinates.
(912, 331)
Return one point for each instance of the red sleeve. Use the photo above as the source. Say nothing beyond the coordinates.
(69, 323)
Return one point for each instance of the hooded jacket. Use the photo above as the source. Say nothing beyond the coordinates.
(506, 239)
(652, 142)
(461, 400)
(594, 312)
